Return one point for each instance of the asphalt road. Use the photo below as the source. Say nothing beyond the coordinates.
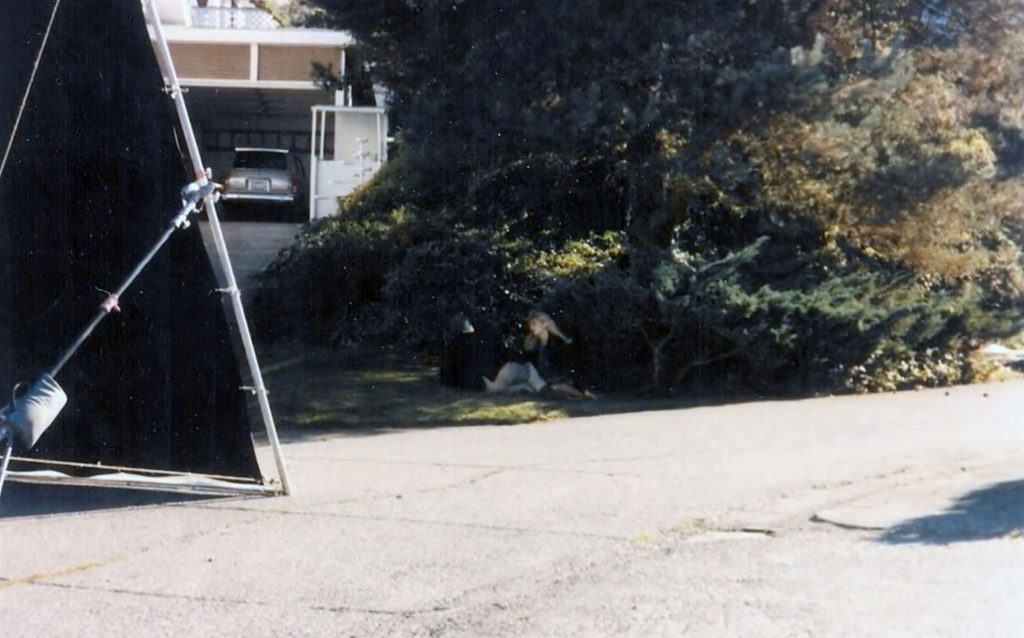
(884, 515)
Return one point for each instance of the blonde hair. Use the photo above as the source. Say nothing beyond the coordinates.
(530, 342)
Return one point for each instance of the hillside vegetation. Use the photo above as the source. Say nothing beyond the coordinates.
(729, 197)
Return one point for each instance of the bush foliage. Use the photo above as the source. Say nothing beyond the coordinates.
(731, 198)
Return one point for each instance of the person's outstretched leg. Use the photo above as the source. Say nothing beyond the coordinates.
(509, 376)
(533, 378)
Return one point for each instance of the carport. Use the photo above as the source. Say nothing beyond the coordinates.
(255, 87)
(226, 118)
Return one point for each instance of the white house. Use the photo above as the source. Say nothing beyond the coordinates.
(249, 82)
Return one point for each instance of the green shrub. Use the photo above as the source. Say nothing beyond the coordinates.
(607, 313)
(436, 280)
(772, 317)
(683, 323)
(784, 314)
(310, 292)
(569, 259)
(327, 283)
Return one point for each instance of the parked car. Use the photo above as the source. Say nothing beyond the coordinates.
(265, 176)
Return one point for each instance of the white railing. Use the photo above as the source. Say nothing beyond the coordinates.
(233, 18)
(359, 151)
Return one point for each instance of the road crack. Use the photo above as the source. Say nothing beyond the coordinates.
(340, 609)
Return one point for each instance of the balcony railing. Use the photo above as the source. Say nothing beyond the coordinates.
(232, 18)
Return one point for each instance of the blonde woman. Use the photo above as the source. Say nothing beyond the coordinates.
(546, 370)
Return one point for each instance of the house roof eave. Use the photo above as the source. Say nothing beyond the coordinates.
(269, 37)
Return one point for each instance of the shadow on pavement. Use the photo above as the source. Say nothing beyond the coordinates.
(25, 499)
(983, 514)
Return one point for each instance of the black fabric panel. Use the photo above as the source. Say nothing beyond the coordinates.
(91, 185)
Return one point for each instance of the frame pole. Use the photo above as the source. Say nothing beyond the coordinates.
(163, 55)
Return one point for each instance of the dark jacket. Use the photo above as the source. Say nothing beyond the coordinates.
(553, 360)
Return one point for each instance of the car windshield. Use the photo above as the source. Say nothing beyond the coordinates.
(261, 159)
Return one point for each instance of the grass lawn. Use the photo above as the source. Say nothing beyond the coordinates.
(315, 389)
(318, 389)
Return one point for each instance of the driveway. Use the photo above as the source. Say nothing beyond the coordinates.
(252, 246)
(883, 515)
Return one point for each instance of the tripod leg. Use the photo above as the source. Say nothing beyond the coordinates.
(7, 441)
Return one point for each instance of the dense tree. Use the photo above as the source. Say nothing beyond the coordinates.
(723, 173)
(587, 92)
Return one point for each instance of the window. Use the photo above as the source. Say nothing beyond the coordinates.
(261, 159)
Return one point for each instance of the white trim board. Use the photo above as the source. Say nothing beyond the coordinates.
(284, 37)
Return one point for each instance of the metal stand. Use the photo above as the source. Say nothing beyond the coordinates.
(194, 194)
(163, 56)
(7, 441)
